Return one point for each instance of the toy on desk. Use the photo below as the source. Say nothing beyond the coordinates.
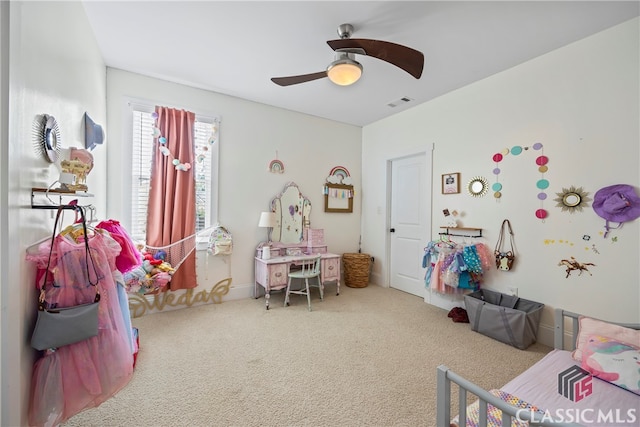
(294, 251)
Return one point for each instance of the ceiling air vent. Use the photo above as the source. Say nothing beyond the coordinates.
(400, 101)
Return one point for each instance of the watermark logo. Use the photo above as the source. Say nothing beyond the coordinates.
(575, 383)
(585, 416)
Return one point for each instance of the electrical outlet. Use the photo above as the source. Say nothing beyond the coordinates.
(513, 291)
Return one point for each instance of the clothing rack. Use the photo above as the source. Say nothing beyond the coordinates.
(71, 206)
(89, 211)
(53, 207)
(453, 231)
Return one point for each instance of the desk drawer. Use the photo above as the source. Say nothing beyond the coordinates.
(278, 275)
(330, 269)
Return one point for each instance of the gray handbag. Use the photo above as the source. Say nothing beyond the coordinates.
(59, 326)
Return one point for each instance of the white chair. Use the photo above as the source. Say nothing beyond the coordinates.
(309, 268)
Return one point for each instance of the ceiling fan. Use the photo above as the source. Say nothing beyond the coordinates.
(345, 70)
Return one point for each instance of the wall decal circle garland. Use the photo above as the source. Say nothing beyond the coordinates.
(542, 184)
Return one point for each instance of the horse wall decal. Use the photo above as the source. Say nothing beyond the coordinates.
(574, 264)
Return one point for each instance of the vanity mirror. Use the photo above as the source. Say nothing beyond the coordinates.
(478, 186)
(292, 211)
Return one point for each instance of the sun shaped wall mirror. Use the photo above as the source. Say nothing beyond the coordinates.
(478, 186)
(293, 212)
(572, 199)
(47, 137)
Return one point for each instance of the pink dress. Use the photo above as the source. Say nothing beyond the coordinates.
(79, 376)
(129, 257)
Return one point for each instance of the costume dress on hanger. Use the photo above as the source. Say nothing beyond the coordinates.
(79, 376)
(128, 259)
(453, 267)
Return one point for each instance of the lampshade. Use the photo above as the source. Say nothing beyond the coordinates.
(344, 72)
(267, 219)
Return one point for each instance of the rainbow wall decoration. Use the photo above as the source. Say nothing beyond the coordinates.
(276, 166)
(339, 175)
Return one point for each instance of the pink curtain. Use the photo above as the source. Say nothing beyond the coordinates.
(171, 212)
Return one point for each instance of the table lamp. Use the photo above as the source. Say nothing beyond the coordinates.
(267, 220)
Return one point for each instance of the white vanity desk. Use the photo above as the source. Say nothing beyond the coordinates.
(272, 274)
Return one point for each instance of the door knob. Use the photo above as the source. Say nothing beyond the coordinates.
(392, 230)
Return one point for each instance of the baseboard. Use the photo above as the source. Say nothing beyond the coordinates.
(444, 301)
(375, 279)
(545, 334)
(239, 292)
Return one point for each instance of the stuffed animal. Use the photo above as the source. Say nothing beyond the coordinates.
(165, 267)
(153, 274)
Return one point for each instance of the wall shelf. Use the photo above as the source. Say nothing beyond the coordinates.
(461, 231)
(41, 197)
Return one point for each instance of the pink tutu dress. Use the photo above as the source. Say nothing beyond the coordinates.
(72, 378)
(129, 257)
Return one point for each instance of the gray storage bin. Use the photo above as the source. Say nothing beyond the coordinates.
(506, 318)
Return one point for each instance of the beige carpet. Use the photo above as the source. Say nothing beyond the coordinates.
(367, 357)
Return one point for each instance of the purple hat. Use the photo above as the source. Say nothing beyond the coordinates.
(616, 203)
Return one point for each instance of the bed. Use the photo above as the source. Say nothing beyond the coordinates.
(556, 391)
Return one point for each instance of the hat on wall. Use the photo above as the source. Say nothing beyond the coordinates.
(93, 133)
(616, 203)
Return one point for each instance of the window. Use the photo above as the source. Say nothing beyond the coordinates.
(143, 144)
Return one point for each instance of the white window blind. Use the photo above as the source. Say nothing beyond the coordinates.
(202, 171)
(143, 144)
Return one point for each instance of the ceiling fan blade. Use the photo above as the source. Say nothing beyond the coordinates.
(294, 80)
(410, 60)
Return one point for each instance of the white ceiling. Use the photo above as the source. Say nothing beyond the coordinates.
(235, 47)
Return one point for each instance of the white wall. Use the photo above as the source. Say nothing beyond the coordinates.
(55, 68)
(582, 103)
(250, 135)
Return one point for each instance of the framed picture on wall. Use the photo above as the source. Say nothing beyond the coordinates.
(338, 198)
(451, 183)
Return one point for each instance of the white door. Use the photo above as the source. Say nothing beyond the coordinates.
(409, 223)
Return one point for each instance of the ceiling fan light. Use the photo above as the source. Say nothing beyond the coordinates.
(344, 72)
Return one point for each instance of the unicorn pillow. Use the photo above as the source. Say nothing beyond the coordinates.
(613, 361)
(590, 327)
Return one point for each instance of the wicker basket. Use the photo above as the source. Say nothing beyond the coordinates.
(356, 270)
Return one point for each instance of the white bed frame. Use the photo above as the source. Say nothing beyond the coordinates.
(509, 412)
